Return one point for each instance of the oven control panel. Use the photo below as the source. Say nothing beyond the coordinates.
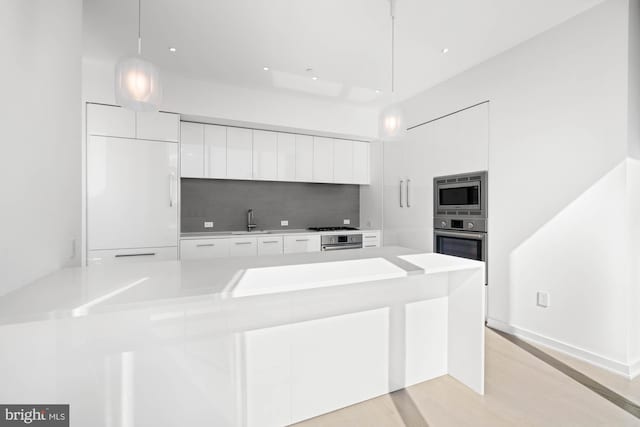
(463, 224)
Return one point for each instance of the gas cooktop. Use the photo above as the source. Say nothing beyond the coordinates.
(332, 228)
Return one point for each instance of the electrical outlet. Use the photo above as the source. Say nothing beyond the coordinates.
(542, 299)
(346, 221)
(284, 223)
(208, 224)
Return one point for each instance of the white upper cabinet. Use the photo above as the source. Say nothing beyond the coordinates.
(191, 150)
(322, 159)
(304, 158)
(107, 120)
(265, 155)
(361, 174)
(157, 126)
(239, 153)
(215, 151)
(342, 161)
(286, 157)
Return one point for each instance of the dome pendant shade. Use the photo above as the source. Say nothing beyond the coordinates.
(137, 85)
(392, 124)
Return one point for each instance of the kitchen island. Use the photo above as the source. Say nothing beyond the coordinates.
(242, 341)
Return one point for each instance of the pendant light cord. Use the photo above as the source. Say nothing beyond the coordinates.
(393, 44)
(139, 28)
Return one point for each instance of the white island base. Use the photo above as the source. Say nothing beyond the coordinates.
(219, 343)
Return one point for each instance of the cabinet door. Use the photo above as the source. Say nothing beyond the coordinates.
(158, 126)
(297, 244)
(361, 162)
(131, 193)
(203, 248)
(108, 120)
(215, 151)
(270, 245)
(265, 155)
(304, 158)
(342, 161)
(239, 153)
(286, 157)
(322, 159)
(191, 150)
(243, 246)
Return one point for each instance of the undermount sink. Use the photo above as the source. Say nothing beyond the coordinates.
(251, 232)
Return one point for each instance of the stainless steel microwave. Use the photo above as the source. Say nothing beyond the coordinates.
(464, 194)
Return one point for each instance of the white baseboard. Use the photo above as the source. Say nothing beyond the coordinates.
(629, 371)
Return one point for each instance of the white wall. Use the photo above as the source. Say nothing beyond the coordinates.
(41, 145)
(633, 180)
(558, 144)
(219, 101)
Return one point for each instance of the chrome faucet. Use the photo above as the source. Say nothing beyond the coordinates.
(251, 221)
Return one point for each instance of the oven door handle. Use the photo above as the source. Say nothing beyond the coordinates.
(340, 247)
(461, 234)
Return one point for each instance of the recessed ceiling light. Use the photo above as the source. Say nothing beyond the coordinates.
(265, 68)
(378, 91)
(172, 49)
(314, 78)
(445, 50)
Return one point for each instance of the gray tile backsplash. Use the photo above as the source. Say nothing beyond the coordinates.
(304, 205)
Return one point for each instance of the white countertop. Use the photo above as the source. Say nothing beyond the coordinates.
(83, 290)
(272, 233)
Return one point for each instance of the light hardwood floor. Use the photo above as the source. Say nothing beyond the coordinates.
(521, 390)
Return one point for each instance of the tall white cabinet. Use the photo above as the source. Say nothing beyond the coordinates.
(132, 185)
(454, 144)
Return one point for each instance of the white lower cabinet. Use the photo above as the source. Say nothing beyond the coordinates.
(270, 245)
(298, 244)
(119, 256)
(204, 248)
(243, 246)
(371, 239)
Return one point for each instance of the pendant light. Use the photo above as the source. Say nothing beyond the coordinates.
(391, 123)
(137, 82)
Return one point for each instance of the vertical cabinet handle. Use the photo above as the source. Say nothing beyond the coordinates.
(408, 203)
(401, 182)
(172, 178)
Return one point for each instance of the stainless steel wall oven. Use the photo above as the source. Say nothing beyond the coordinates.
(460, 215)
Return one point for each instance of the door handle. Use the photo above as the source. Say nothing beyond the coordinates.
(302, 240)
(408, 182)
(130, 255)
(401, 182)
(205, 245)
(243, 243)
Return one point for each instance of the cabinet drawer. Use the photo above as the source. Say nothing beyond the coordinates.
(204, 248)
(269, 245)
(371, 240)
(242, 246)
(305, 243)
(117, 256)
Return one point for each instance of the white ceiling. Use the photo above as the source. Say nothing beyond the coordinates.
(346, 42)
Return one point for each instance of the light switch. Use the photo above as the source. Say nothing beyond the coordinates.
(543, 299)
(346, 221)
(208, 224)
(284, 223)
